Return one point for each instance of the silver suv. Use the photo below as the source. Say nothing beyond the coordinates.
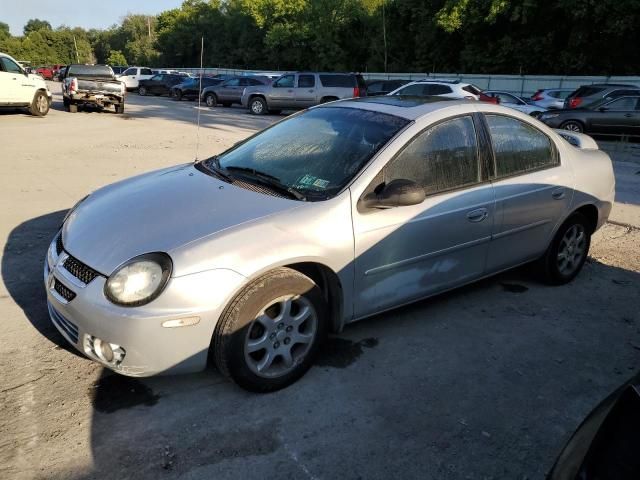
(301, 90)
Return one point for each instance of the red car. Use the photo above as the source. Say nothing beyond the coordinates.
(45, 72)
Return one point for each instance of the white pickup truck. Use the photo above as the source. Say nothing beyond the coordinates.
(132, 76)
(21, 89)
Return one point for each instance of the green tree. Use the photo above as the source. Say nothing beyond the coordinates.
(4, 30)
(35, 25)
(116, 57)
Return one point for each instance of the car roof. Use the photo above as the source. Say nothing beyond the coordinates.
(612, 85)
(408, 107)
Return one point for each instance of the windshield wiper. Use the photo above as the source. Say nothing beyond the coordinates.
(269, 180)
(213, 165)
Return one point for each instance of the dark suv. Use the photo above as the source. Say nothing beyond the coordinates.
(301, 90)
(588, 94)
(160, 84)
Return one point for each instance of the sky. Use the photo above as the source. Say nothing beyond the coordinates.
(77, 13)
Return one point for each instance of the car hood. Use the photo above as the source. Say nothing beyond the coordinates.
(158, 212)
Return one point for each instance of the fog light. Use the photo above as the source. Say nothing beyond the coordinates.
(109, 353)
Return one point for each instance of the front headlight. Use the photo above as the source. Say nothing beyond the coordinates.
(139, 280)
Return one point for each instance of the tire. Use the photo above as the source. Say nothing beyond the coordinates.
(142, 91)
(211, 100)
(253, 352)
(179, 95)
(40, 105)
(328, 99)
(258, 106)
(573, 126)
(73, 108)
(555, 266)
(119, 108)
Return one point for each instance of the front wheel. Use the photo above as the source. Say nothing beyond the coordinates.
(269, 335)
(142, 91)
(258, 106)
(568, 251)
(40, 105)
(120, 108)
(211, 100)
(572, 126)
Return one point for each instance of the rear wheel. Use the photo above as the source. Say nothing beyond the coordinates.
(211, 100)
(40, 105)
(568, 251)
(572, 126)
(269, 335)
(258, 106)
(142, 91)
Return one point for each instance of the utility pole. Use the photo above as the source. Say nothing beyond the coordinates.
(76, 47)
(384, 37)
(149, 26)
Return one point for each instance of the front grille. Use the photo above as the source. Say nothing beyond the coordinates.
(79, 270)
(63, 291)
(59, 246)
(63, 324)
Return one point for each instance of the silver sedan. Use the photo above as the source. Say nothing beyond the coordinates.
(337, 213)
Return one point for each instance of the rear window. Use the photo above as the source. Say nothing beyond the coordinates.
(90, 71)
(472, 89)
(587, 91)
(344, 81)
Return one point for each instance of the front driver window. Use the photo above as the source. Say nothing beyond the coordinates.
(444, 157)
(285, 82)
(10, 66)
(622, 104)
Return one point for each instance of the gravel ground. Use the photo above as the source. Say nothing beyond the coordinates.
(488, 381)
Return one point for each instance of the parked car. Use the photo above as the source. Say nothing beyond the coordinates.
(383, 87)
(230, 91)
(159, 84)
(191, 87)
(118, 69)
(550, 98)
(45, 72)
(93, 85)
(61, 73)
(588, 94)
(330, 216)
(19, 89)
(444, 88)
(619, 116)
(301, 90)
(131, 76)
(514, 101)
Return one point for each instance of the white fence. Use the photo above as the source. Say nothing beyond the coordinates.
(524, 85)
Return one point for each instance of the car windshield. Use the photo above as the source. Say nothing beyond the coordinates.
(315, 153)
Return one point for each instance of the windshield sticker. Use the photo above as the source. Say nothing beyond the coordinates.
(307, 180)
(321, 183)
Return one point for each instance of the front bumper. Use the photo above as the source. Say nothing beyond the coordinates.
(149, 347)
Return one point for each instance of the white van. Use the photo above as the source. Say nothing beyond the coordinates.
(21, 89)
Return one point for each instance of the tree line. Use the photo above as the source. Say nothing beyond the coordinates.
(556, 37)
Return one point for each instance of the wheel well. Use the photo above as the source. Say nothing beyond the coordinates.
(331, 288)
(328, 99)
(591, 213)
(254, 95)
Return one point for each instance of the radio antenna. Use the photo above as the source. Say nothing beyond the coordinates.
(199, 98)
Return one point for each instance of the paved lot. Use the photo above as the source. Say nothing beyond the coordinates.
(485, 382)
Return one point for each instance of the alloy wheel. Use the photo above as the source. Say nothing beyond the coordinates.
(280, 336)
(572, 249)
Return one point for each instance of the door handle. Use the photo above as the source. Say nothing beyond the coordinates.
(558, 194)
(477, 215)
(310, 91)
(628, 115)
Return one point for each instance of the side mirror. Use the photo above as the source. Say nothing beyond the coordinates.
(397, 193)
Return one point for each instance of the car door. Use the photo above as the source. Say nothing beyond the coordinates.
(12, 80)
(616, 117)
(532, 187)
(305, 91)
(405, 253)
(282, 92)
(229, 89)
(153, 82)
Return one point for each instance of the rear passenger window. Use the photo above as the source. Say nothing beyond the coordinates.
(415, 89)
(444, 157)
(306, 81)
(146, 71)
(518, 147)
(437, 89)
(342, 81)
(622, 104)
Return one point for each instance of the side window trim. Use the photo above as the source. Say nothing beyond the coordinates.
(494, 175)
(480, 158)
